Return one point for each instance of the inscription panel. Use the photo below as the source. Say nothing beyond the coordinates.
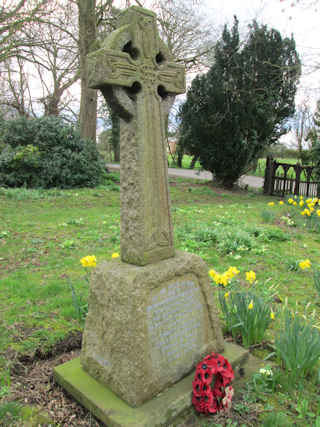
(176, 318)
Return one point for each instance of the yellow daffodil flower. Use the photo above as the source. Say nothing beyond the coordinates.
(318, 212)
(305, 212)
(216, 277)
(272, 315)
(271, 204)
(224, 279)
(290, 201)
(301, 203)
(89, 261)
(250, 276)
(250, 306)
(212, 273)
(115, 255)
(294, 203)
(231, 272)
(305, 264)
(281, 202)
(226, 295)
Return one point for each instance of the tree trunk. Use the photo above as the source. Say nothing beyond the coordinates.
(180, 152)
(193, 161)
(87, 37)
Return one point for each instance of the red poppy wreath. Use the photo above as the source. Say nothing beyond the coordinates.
(212, 391)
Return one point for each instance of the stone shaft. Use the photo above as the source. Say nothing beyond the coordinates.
(139, 79)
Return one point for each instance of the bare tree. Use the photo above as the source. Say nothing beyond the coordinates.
(14, 15)
(39, 80)
(56, 61)
(301, 125)
(183, 27)
(15, 92)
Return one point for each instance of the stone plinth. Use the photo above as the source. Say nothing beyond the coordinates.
(148, 326)
(159, 411)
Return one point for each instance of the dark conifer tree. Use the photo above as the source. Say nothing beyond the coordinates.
(242, 104)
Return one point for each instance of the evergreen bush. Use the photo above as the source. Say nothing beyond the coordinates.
(47, 153)
(241, 106)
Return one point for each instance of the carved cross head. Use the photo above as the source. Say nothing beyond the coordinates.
(135, 58)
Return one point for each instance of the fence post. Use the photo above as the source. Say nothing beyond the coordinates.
(267, 185)
(298, 170)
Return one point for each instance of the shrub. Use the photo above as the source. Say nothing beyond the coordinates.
(47, 153)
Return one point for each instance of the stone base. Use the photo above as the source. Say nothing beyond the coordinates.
(161, 410)
(148, 326)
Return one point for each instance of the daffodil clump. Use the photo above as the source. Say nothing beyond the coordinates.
(225, 278)
(308, 208)
(246, 314)
(310, 205)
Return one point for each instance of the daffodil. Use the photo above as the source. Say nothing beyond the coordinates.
(301, 203)
(290, 201)
(281, 202)
(305, 212)
(115, 255)
(318, 212)
(250, 306)
(89, 261)
(271, 204)
(224, 279)
(305, 264)
(250, 276)
(212, 273)
(272, 315)
(231, 272)
(226, 295)
(216, 277)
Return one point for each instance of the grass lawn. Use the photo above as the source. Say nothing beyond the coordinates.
(43, 235)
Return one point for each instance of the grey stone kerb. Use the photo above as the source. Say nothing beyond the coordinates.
(139, 79)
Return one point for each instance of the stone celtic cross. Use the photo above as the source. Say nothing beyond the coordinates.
(139, 79)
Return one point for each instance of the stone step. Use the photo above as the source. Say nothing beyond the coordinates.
(159, 411)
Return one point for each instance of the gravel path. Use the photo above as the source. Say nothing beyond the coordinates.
(251, 181)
